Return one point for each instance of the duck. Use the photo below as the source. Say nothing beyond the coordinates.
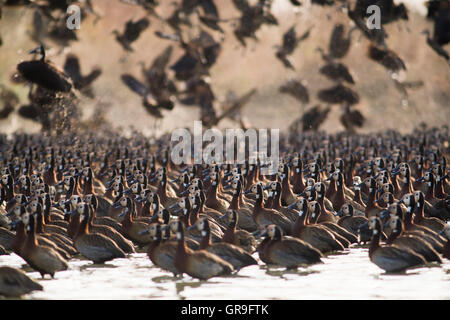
(342, 235)
(15, 283)
(236, 256)
(132, 228)
(212, 199)
(123, 243)
(241, 238)
(412, 242)
(287, 251)
(92, 245)
(297, 180)
(238, 204)
(431, 237)
(263, 216)
(372, 208)
(409, 201)
(91, 199)
(104, 204)
(434, 206)
(287, 197)
(353, 223)
(166, 199)
(435, 224)
(316, 235)
(162, 253)
(326, 214)
(199, 264)
(391, 258)
(43, 239)
(185, 205)
(275, 194)
(43, 259)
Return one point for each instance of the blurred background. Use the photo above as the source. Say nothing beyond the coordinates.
(239, 69)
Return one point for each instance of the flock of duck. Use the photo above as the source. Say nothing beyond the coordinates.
(100, 197)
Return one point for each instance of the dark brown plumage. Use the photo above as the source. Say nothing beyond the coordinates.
(131, 33)
(15, 283)
(296, 89)
(339, 94)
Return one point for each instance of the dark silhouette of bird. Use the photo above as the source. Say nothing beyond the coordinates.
(289, 44)
(339, 94)
(339, 44)
(351, 118)
(43, 73)
(296, 89)
(132, 32)
(148, 99)
(337, 71)
(310, 120)
(252, 18)
(386, 57)
(200, 53)
(80, 82)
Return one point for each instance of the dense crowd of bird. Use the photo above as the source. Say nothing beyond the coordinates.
(101, 196)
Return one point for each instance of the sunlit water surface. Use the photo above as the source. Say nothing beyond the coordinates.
(349, 275)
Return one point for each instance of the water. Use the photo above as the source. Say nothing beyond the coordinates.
(348, 275)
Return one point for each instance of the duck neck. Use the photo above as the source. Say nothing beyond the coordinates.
(39, 228)
(298, 184)
(357, 197)
(419, 212)
(206, 240)
(234, 204)
(439, 187)
(74, 224)
(83, 228)
(394, 235)
(228, 235)
(181, 252)
(88, 186)
(19, 238)
(258, 203)
(299, 223)
(374, 242)
(31, 240)
(276, 202)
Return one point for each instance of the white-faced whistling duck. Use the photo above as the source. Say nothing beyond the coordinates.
(15, 283)
(263, 216)
(94, 246)
(132, 228)
(287, 251)
(352, 223)
(412, 242)
(43, 259)
(342, 235)
(240, 238)
(391, 258)
(316, 235)
(199, 264)
(231, 253)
